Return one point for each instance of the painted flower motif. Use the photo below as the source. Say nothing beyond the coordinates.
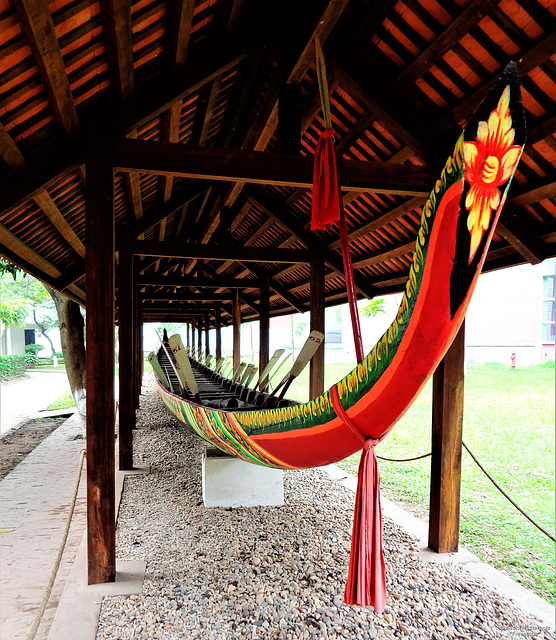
(488, 164)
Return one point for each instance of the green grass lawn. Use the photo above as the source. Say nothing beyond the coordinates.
(509, 426)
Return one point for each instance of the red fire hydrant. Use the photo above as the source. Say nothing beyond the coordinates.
(512, 358)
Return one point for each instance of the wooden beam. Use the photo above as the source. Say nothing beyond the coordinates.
(535, 192)
(127, 380)
(170, 133)
(452, 33)
(182, 307)
(181, 196)
(179, 20)
(218, 330)
(541, 128)
(382, 220)
(214, 282)
(540, 51)
(266, 168)
(236, 318)
(207, 328)
(212, 252)
(383, 256)
(316, 373)
(42, 170)
(213, 57)
(185, 297)
(320, 24)
(9, 150)
(287, 221)
(520, 234)
(41, 36)
(116, 17)
(51, 211)
(264, 324)
(14, 244)
(101, 548)
(447, 426)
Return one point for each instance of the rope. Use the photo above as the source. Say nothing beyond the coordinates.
(44, 602)
(425, 455)
(506, 495)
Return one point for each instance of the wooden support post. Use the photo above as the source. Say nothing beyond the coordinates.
(137, 352)
(140, 353)
(187, 334)
(236, 320)
(316, 372)
(200, 338)
(264, 324)
(447, 425)
(207, 328)
(218, 328)
(127, 366)
(99, 264)
(193, 327)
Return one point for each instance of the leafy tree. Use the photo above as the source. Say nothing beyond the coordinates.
(374, 307)
(51, 309)
(26, 288)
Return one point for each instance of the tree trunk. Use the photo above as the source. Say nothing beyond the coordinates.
(72, 337)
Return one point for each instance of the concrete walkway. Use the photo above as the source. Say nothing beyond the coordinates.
(35, 500)
(22, 398)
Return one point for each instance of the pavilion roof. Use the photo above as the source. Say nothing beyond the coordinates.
(204, 99)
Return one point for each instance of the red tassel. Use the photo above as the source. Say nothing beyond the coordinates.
(326, 187)
(366, 584)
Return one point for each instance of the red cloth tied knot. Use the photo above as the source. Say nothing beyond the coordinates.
(369, 442)
(326, 185)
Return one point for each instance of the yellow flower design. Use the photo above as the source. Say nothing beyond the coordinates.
(488, 164)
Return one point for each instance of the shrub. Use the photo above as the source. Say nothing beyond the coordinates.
(33, 349)
(12, 366)
(30, 358)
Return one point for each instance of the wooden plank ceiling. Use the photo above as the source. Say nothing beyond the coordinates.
(217, 115)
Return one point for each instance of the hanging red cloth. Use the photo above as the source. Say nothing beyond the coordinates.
(366, 583)
(326, 186)
(327, 209)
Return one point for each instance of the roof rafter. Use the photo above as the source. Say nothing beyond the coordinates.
(41, 35)
(266, 168)
(212, 252)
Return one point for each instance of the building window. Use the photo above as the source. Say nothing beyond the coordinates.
(549, 309)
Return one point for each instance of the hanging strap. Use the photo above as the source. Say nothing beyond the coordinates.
(341, 413)
(366, 582)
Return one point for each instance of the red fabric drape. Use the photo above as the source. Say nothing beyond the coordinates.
(326, 186)
(366, 583)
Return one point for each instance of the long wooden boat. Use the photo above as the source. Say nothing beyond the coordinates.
(457, 225)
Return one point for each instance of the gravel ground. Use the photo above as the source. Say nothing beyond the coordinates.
(273, 572)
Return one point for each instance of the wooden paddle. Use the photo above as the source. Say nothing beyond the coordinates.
(182, 386)
(313, 342)
(266, 371)
(155, 364)
(238, 372)
(275, 371)
(184, 366)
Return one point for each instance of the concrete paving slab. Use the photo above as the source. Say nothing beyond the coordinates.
(35, 500)
(78, 611)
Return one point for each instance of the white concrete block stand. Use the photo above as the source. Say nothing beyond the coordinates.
(231, 482)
